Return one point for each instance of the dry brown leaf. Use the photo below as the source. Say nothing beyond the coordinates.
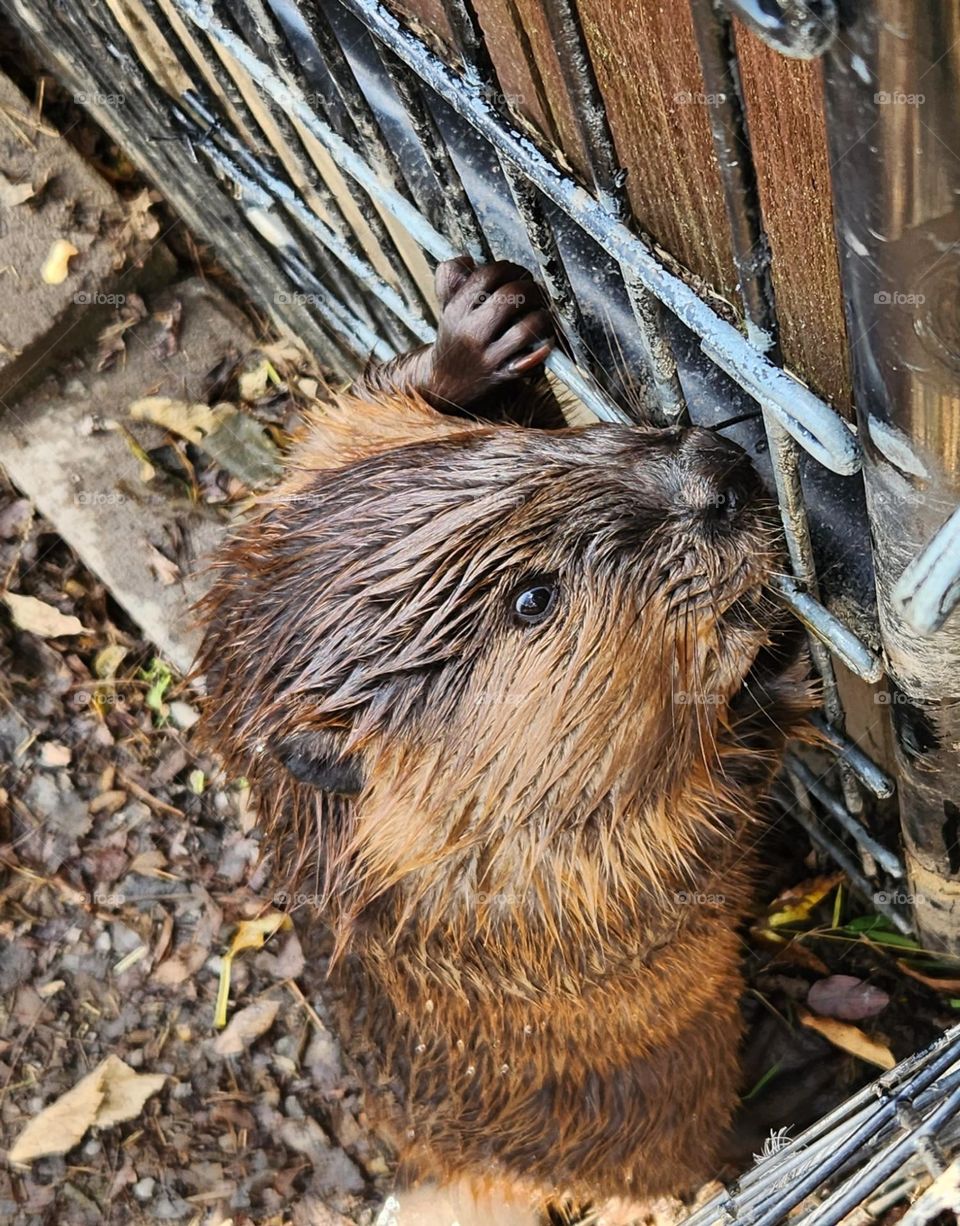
(112, 1093)
(40, 618)
(148, 863)
(850, 1039)
(246, 1026)
(940, 985)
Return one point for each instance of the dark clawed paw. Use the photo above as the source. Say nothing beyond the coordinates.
(494, 326)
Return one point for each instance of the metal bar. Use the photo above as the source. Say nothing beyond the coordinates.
(837, 1206)
(458, 211)
(359, 127)
(891, 119)
(809, 419)
(209, 214)
(805, 816)
(866, 770)
(917, 1079)
(800, 29)
(358, 334)
(731, 139)
(829, 629)
(273, 173)
(238, 161)
(860, 835)
(929, 589)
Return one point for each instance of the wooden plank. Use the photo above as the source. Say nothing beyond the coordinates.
(785, 115)
(646, 61)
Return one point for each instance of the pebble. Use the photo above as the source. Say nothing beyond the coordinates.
(143, 1188)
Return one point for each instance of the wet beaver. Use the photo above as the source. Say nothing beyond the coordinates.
(510, 698)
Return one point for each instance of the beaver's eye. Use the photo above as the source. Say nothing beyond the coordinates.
(534, 600)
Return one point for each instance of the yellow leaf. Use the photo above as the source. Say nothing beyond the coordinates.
(797, 903)
(56, 267)
(250, 934)
(851, 1039)
(191, 421)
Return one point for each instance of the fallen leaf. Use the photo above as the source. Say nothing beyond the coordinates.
(12, 194)
(850, 1039)
(246, 1026)
(148, 863)
(250, 934)
(108, 660)
(56, 267)
(40, 618)
(846, 997)
(191, 420)
(253, 934)
(794, 905)
(112, 1093)
(164, 568)
(940, 985)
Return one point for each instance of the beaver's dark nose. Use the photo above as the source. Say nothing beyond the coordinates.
(717, 477)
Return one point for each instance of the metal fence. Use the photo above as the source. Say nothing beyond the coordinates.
(331, 154)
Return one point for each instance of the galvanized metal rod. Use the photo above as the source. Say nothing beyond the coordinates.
(829, 629)
(805, 816)
(815, 424)
(358, 127)
(209, 214)
(270, 189)
(866, 770)
(864, 840)
(351, 288)
(883, 1165)
(916, 1080)
(361, 338)
(799, 29)
(928, 591)
(751, 252)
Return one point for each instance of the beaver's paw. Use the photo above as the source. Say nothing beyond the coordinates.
(494, 327)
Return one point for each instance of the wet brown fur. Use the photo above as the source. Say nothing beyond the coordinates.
(534, 896)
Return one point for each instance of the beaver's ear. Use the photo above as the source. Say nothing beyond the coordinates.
(350, 429)
(317, 758)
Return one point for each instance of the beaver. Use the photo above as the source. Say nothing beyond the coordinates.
(510, 697)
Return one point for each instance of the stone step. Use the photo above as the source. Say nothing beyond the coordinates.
(85, 479)
(69, 247)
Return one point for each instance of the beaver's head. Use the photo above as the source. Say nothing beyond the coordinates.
(485, 669)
